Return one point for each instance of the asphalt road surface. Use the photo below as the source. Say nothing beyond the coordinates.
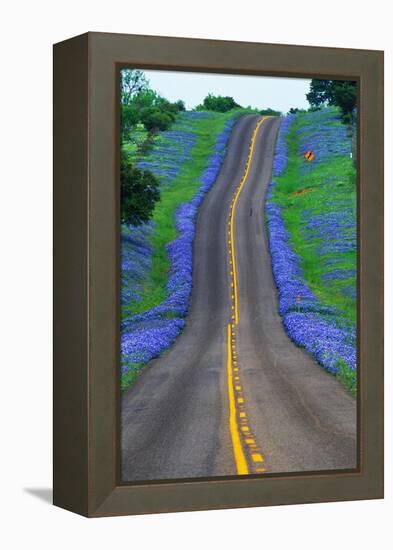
(234, 395)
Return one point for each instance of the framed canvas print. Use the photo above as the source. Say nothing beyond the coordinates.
(218, 249)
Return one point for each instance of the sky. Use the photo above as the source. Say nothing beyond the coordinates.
(255, 91)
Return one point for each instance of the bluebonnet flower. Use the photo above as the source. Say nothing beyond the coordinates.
(135, 260)
(336, 230)
(324, 135)
(171, 149)
(281, 154)
(339, 274)
(144, 343)
(294, 293)
(327, 341)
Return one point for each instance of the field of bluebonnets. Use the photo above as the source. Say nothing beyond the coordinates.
(156, 257)
(311, 218)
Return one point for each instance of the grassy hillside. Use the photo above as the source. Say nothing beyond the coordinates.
(182, 152)
(316, 203)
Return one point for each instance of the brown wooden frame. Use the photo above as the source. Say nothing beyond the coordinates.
(86, 273)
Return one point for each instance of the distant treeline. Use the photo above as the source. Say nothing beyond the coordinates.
(222, 104)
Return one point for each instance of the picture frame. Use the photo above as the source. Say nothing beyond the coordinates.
(86, 273)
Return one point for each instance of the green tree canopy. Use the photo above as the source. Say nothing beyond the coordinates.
(181, 106)
(219, 103)
(342, 93)
(129, 118)
(154, 118)
(270, 112)
(139, 191)
(149, 108)
(133, 82)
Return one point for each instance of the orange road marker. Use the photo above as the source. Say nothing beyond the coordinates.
(309, 155)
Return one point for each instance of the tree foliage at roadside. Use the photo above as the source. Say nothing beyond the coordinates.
(341, 93)
(139, 191)
(133, 82)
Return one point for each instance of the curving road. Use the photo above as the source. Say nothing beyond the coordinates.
(234, 395)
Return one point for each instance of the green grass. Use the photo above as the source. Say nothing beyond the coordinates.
(181, 190)
(347, 376)
(297, 193)
(127, 379)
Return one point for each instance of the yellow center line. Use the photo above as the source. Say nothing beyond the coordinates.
(239, 430)
(232, 216)
(240, 459)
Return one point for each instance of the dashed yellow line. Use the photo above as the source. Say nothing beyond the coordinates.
(243, 440)
(257, 457)
(231, 241)
(240, 459)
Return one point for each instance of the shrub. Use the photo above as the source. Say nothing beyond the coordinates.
(154, 118)
(219, 103)
(129, 118)
(181, 106)
(152, 110)
(139, 190)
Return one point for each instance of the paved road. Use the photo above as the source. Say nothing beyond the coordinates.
(234, 395)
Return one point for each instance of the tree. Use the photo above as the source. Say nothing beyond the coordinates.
(129, 118)
(342, 93)
(141, 104)
(145, 98)
(270, 112)
(181, 106)
(154, 118)
(139, 191)
(133, 82)
(155, 112)
(219, 103)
